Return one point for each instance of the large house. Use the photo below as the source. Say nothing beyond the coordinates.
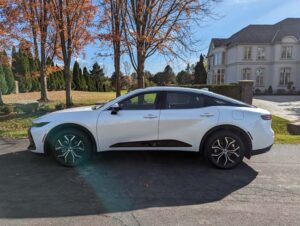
(267, 54)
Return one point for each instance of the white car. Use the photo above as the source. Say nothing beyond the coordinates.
(157, 118)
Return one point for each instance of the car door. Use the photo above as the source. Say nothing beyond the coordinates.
(184, 120)
(133, 127)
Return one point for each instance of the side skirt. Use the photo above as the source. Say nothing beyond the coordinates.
(151, 143)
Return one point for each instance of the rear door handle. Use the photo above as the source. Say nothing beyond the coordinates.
(207, 115)
(150, 116)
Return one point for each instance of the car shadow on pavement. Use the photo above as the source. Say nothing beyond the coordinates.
(34, 186)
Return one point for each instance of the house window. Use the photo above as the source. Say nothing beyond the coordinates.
(261, 53)
(286, 52)
(219, 77)
(218, 58)
(246, 74)
(259, 81)
(247, 53)
(285, 76)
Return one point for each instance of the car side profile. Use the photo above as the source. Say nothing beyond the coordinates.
(224, 130)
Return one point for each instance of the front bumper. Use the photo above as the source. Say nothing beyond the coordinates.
(31, 146)
(261, 151)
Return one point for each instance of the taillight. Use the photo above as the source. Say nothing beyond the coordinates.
(266, 117)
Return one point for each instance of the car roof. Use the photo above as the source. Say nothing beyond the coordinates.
(172, 88)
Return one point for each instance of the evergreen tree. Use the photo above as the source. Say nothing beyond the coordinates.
(3, 85)
(98, 77)
(28, 84)
(165, 77)
(9, 77)
(97, 71)
(14, 58)
(22, 86)
(36, 85)
(22, 63)
(184, 78)
(200, 72)
(86, 77)
(82, 82)
(49, 62)
(32, 65)
(76, 75)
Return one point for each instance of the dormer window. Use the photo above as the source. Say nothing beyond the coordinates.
(286, 52)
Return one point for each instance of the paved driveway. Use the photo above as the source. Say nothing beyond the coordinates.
(145, 188)
(287, 107)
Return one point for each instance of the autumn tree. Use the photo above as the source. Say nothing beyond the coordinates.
(160, 26)
(72, 20)
(30, 21)
(110, 19)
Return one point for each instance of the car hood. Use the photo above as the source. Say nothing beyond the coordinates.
(63, 113)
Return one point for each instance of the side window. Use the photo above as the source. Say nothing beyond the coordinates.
(144, 101)
(211, 101)
(183, 100)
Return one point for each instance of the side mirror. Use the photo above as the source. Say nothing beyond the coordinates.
(115, 108)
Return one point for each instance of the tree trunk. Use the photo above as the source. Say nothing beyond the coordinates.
(67, 74)
(43, 77)
(117, 70)
(1, 100)
(140, 69)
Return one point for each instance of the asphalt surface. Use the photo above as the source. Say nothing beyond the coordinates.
(287, 107)
(148, 188)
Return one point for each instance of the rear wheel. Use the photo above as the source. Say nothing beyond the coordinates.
(225, 149)
(71, 147)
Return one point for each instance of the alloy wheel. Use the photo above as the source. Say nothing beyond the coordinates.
(70, 149)
(226, 151)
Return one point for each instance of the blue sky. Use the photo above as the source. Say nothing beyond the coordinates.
(233, 16)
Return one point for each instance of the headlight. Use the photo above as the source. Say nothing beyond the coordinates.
(39, 124)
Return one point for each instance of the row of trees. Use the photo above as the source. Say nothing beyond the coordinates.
(135, 28)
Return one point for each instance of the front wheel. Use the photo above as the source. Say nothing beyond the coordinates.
(225, 149)
(71, 147)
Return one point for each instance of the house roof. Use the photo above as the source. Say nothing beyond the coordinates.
(262, 34)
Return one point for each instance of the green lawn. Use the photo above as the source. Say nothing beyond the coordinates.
(17, 128)
(282, 136)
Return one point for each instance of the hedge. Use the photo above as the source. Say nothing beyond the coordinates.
(233, 91)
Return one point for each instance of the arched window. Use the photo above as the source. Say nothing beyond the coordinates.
(246, 74)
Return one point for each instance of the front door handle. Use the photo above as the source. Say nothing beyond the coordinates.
(150, 116)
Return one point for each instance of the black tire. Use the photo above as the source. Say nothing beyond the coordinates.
(71, 147)
(224, 149)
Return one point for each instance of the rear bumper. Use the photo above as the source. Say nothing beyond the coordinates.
(261, 151)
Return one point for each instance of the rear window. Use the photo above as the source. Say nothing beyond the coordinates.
(186, 100)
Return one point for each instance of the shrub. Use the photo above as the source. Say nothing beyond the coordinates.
(43, 108)
(60, 106)
(7, 109)
(257, 91)
(28, 108)
(281, 91)
(270, 90)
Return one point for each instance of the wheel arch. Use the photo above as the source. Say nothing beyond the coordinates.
(245, 136)
(69, 126)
